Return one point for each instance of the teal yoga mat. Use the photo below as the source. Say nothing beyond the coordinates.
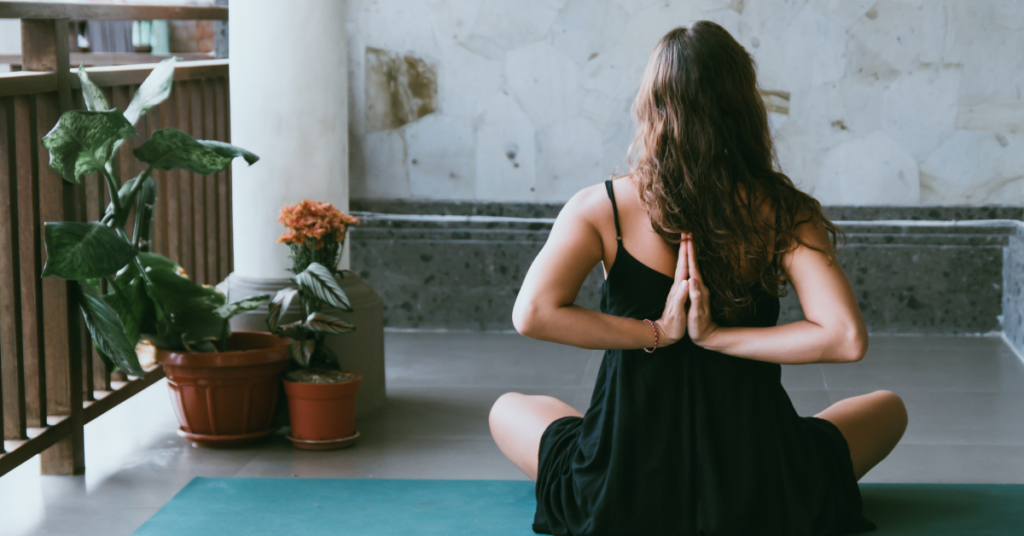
(373, 507)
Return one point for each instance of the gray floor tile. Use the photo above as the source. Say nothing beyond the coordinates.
(451, 413)
(960, 418)
(958, 364)
(108, 520)
(965, 396)
(380, 458)
(803, 377)
(966, 464)
(481, 359)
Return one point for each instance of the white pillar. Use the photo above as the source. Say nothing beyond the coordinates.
(289, 105)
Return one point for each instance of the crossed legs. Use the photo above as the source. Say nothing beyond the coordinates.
(872, 425)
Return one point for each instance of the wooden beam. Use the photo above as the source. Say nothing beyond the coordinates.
(38, 45)
(107, 400)
(25, 83)
(118, 75)
(40, 440)
(99, 11)
(60, 33)
(115, 58)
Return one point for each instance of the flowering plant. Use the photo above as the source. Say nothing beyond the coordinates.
(316, 232)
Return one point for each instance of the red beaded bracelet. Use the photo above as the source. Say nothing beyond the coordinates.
(654, 326)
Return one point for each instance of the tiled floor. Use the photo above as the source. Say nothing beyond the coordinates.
(965, 396)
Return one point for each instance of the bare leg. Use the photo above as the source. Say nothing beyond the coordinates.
(517, 422)
(872, 425)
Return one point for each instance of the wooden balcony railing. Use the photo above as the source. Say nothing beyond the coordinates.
(52, 382)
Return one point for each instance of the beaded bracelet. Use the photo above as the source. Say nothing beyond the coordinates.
(654, 326)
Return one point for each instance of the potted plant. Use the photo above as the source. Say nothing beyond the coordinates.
(321, 396)
(224, 385)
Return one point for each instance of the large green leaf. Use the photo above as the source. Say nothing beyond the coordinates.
(319, 282)
(191, 307)
(171, 148)
(80, 250)
(154, 90)
(241, 306)
(190, 304)
(95, 101)
(108, 334)
(128, 297)
(230, 151)
(81, 142)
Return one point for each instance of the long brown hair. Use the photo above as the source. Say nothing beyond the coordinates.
(704, 163)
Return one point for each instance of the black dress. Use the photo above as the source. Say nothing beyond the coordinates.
(686, 441)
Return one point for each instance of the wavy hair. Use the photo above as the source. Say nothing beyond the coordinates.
(705, 164)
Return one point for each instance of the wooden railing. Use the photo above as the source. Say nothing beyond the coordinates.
(52, 382)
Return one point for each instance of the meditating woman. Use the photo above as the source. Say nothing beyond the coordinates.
(689, 431)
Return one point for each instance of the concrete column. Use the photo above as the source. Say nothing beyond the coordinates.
(289, 105)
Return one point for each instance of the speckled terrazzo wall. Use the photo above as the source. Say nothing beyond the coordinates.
(899, 102)
(436, 268)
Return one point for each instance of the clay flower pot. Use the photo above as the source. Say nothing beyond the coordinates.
(323, 415)
(226, 399)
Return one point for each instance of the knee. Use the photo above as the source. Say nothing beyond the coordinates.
(895, 408)
(501, 405)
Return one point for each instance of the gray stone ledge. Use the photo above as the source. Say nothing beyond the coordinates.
(459, 272)
(550, 210)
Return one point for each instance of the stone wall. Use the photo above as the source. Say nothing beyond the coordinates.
(460, 265)
(1013, 293)
(874, 102)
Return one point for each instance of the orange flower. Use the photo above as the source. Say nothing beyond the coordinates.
(314, 222)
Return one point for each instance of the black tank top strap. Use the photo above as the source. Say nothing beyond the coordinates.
(615, 209)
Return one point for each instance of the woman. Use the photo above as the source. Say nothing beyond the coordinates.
(689, 430)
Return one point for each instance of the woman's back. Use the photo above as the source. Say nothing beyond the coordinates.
(685, 440)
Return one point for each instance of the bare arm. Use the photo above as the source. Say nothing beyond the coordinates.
(834, 331)
(544, 308)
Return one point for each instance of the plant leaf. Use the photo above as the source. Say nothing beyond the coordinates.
(133, 306)
(190, 305)
(154, 90)
(279, 306)
(170, 148)
(241, 306)
(331, 325)
(229, 151)
(319, 281)
(301, 351)
(144, 214)
(294, 330)
(94, 99)
(81, 142)
(80, 250)
(108, 333)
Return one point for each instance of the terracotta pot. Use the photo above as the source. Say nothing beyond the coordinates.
(227, 399)
(323, 415)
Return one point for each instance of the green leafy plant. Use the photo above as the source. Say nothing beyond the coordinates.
(316, 233)
(129, 293)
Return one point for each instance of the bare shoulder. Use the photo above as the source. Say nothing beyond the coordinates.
(589, 205)
(811, 231)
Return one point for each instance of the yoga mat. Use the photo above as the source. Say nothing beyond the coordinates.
(377, 507)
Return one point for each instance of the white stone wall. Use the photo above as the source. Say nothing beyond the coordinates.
(889, 102)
